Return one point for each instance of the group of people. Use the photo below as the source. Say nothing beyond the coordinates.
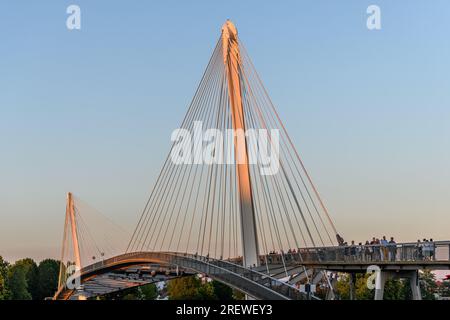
(384, 250)
(374, 250)
(426, 250)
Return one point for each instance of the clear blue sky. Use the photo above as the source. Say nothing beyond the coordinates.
(92, 111)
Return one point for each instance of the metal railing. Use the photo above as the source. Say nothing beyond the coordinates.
(250, 281)
(423, 253)
(261, 285)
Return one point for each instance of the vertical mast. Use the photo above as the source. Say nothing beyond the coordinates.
(70, 211)
(232, 62)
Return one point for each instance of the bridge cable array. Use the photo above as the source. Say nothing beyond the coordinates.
(98, 238)
(194, 208)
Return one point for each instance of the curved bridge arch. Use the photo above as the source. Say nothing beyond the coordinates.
(251, 282)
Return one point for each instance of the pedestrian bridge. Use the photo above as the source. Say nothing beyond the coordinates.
(263, 233)
(251, 282)
(276, 277)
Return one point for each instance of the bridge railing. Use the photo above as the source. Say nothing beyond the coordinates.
(233, 274)
(231, 271)
(438, 251)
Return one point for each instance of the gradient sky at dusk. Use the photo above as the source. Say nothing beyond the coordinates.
(92, 111)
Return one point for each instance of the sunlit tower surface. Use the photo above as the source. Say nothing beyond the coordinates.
(232, 62)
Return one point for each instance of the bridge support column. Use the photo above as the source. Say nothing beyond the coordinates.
(70, 211)
(332, 283)
(412, 276)
(380, 283)
(233, 65)
(415, 287)
(352, 284)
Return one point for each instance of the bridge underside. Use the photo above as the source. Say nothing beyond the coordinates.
(115, 280)
(357, 267)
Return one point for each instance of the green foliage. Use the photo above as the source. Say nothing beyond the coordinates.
(206, 292)
(238, 295)
(17, 283)
(342, 289)
(428, 285)
(31, 275)
(395, 289)
(25, 280)
(4, 291)
(186, 288)
(445, 287)
(148, 292)
(362, 291)
(222, 291)
(192, 288)
(145, 292)
(130, 296)
(48, 272)
(4, 265)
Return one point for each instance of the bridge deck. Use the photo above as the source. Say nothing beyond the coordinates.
(251, 282)
(263, 281)
(436, 256)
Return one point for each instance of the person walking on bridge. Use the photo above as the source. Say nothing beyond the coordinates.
(368, 251)
(425, 249)
(384, 250)
(392, 249)
(418, 254)
(432, 250)
(353, 251)
(375, 249)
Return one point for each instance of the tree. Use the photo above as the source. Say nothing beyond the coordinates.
(148, 292)
(145, 292)
(186, 288)
(48, 273)
(222, 291)
(4, 267)
(17, 283)
(428, 285)
(130, 296)
(206, 291)
(31, 275)
(238, 295)
(4, 293)
(362, 291)
(445, 286)
(342, 289)
(395, 289)
(192, 288)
